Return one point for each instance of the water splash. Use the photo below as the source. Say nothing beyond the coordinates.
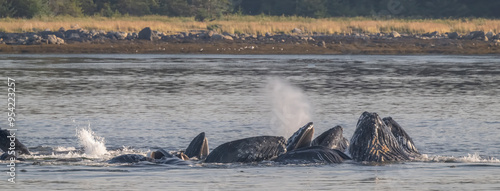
(92, 144)
(290, 107)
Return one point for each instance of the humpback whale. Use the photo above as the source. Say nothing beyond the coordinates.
(296, 150)
(198, 148)
(404, 140)
(301, 138)
(313, 154)
(374, 141)
(332, 139)
(6, 139)
(328, 147)
(160, 157)
(253, 149)
(130, 158)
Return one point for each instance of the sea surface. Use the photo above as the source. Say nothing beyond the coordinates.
(75, 112)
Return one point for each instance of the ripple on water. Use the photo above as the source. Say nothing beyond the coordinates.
(448, 104)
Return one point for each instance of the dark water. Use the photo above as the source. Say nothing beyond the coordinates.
(137, 103)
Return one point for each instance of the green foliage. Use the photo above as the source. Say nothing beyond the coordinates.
(211, 9)
(312, 8)
(88, 7)
(201, 15)
(135, 7)
(106, 11)
(174, 8)
(6, 9)
(26, 8)
(65, 7)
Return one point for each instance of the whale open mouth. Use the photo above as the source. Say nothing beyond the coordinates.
(198, 147)
(301, 138)
(404, 140)
(373, 141)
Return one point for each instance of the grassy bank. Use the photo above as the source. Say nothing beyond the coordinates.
(253, 24)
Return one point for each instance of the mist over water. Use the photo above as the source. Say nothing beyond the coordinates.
(92, 144)
(290, 107)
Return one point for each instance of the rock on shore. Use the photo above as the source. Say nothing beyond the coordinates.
(296, 37)
(81, 35)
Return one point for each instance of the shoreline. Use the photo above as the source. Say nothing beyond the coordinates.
(82, 41)
(369, 48)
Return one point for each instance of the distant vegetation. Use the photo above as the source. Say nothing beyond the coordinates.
(203, 10)
(253, 16)
(260, 24)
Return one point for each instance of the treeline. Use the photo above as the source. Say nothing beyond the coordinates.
(374, 8)
(212, 9)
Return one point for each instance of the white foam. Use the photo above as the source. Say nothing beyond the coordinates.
(92, 144)
(475, 158)
(291, 109)
(64, 149)
(128, 150)
(75, 154)
(470, 158)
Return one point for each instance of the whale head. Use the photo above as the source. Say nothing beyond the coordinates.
(160, 153)
(372, 141)
(301, 138)
(198, 147)
(404, 140)
(332, 139)
(6, 137)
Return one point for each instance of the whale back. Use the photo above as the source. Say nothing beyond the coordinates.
(130, 158)
(198, 147)
(160, 153)
(253, 149)
(313, 154)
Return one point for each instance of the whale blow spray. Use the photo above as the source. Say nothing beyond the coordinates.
(290, 107)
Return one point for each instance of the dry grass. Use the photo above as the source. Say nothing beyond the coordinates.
(253, 24)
